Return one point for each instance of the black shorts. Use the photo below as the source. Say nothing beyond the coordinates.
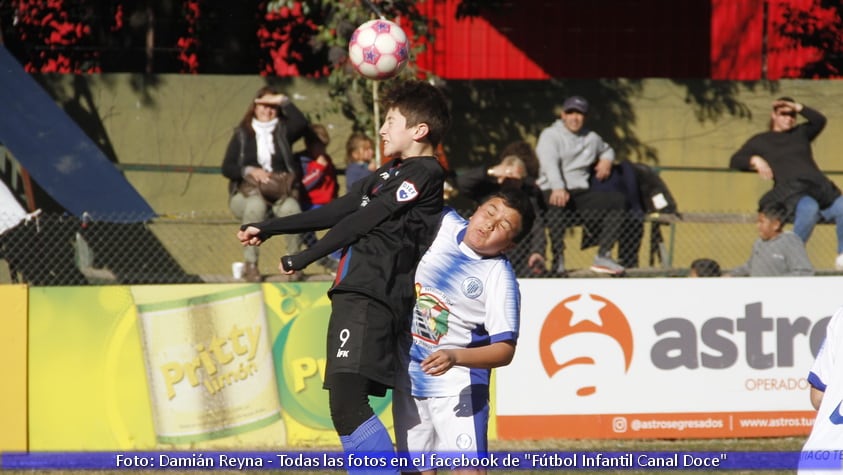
(362, 336)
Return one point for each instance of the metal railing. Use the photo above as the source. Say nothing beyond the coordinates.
(52, 249)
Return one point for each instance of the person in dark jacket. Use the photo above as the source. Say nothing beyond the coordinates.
(512, 172)
(783, 154)
(261, 146)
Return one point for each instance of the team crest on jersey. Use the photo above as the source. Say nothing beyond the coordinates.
(430, 317)
(406, 192)
(472, 287)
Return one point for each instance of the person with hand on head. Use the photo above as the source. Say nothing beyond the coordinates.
(568, 152)
(383, 225)
(775, 252)
(261, 146)
(459, 332)
(783, 154)
(512, 172)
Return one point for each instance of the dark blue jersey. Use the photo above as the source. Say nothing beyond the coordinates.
(383, 224)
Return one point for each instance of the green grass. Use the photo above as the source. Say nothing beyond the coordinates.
(783, 444)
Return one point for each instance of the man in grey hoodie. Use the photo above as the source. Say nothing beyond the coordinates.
(568, 153)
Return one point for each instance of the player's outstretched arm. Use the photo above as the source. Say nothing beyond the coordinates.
(492, 356)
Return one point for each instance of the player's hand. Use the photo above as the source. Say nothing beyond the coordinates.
(761, 166)
(248, 236)
(559, 197)
(439, 362)
(602, 169)
(286, 265)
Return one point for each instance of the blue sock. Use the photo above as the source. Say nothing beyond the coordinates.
(370, 437)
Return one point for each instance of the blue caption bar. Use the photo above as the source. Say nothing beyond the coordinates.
(707, 461)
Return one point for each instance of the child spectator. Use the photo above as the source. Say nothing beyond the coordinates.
(320, 176)
(775, 252)
(360, 151)
(705, 268)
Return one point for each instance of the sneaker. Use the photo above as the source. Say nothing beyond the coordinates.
(605, 265)
(838, 263)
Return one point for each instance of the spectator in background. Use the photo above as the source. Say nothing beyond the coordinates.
(319, 180)
(261, 146)
(775, 252)
(704, 268)
(511, 172)
(359, 158)
(784, 155)
(568, 152)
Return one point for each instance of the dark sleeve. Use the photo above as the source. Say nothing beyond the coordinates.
(395, 195)
(296, 122)
(816, 122)
(537, 236)
(311, 220)
(740, 160)
(348, 231)
(472, 182)
(231, 168)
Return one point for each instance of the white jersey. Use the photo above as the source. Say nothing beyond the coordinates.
(462, 300)
(826, 439)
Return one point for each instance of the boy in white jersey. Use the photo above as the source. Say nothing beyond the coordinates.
(465, 322)
(823, 451)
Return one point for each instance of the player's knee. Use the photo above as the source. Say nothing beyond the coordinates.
(348, 400)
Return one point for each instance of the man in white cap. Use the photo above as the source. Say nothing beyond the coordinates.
(568, 153)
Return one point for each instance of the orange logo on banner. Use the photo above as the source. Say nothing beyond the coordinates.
(582, 313)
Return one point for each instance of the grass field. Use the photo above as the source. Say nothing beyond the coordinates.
(784, 444)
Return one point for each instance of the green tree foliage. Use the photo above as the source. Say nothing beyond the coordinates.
(335, 21)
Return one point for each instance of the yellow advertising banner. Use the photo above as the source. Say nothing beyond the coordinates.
(13, 339)
(180, 366)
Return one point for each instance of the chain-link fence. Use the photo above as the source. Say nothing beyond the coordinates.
(52, 249)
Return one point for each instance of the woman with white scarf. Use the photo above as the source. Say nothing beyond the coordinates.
(261, 145)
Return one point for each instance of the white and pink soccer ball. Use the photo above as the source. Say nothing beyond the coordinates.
(378, 49)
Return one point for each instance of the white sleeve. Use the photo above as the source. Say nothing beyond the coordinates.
(503, 306)
(821, 370)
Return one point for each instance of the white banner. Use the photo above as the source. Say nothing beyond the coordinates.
(666, 346)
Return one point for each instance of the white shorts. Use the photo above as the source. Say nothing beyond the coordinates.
(444, 425)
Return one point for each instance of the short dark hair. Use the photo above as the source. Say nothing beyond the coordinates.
(706, 267)
(420, 102)
(520, 202)
(775, 210)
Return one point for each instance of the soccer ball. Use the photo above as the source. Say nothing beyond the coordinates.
(378, 49)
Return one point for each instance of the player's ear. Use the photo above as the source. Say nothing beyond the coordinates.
(421, 131)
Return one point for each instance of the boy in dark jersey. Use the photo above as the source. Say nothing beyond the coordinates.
(384, 224)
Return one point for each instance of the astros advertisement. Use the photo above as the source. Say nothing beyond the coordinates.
(665, 358)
